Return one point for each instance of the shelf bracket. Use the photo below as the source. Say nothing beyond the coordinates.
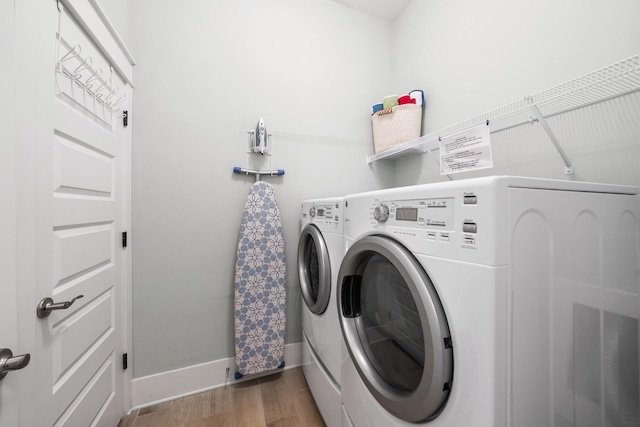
(435, 159)
(568, 167)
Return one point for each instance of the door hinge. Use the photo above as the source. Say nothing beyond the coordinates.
(124, 239)
(124, 361)
(125, 118)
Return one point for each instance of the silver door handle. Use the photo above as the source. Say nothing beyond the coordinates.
(46, 306)
(10, 363)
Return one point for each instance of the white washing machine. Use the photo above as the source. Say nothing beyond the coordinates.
(320, 251)
(492, 302)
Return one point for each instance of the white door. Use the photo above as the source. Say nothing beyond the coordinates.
(83, 344)
(8, 301)
(70, 144)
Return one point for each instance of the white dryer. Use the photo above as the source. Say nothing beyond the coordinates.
(320, 251)
(492, 302)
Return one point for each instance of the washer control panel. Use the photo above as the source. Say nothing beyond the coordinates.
(430, 219)
(435, 214)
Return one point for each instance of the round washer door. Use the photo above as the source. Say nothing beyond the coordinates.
(395, 328)
(314, 269)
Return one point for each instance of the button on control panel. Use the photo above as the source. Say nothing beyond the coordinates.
(471, 200)
(469, 227)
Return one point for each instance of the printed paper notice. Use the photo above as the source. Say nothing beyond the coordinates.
(465, 151)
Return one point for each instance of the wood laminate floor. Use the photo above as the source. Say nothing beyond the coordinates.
(279, 400)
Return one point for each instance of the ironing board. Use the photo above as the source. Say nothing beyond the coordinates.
(260, 292)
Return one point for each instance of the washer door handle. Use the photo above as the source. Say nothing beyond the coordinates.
(351, 296)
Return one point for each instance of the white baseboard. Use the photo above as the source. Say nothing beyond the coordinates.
(165, 386)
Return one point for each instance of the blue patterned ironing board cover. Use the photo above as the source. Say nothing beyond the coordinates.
(260, 291)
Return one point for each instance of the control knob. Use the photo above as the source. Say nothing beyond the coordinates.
(381, 213)
(312, 212)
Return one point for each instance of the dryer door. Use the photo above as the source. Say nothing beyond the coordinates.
(314, 269)
(395, 328)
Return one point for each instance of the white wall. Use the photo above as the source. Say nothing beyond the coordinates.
(471, 57)
(206, 71)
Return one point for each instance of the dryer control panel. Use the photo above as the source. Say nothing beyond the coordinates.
(327, 216)
(325, 212)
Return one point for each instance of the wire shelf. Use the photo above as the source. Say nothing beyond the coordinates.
(619, 79)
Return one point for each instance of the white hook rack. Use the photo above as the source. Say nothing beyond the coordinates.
(85, 76)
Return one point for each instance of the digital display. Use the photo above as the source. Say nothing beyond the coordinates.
(431, 213)
(320, 212)
(407, 214)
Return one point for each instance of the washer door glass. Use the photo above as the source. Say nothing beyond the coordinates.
(395, 328)
(314, 269)
(391, 326)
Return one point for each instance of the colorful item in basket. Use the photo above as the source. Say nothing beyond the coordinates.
(418, 95)
(390, 101)
(406, 99)
(376, 107)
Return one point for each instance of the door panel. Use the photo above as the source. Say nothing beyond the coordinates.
(80, 250)
(89, 407)
(76, 334)
(81, 170)
(72, 382)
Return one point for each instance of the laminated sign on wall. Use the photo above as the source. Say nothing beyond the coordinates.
(465, 151)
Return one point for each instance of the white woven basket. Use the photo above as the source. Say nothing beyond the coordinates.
(395, 126)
